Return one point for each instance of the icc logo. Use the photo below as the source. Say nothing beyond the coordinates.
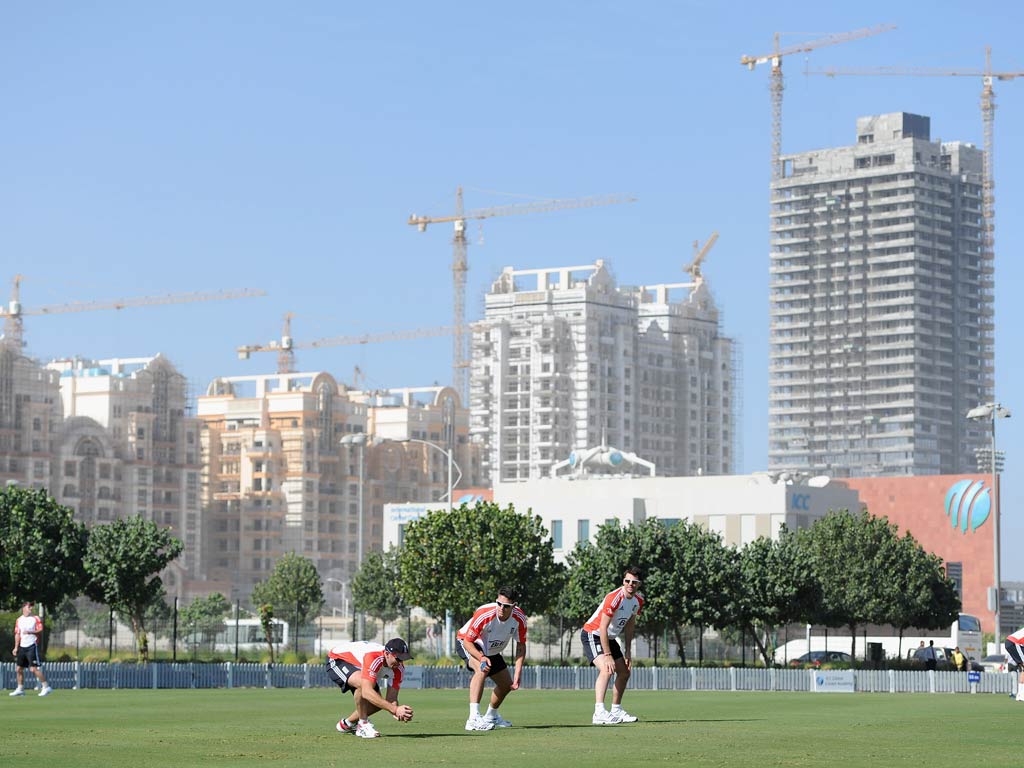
(801, 501)
(968, 503)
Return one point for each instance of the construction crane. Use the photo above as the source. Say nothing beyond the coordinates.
(286, 346)
(699, 254)
(14, 330)
(775, 84)
(460, 264)
(988, 115)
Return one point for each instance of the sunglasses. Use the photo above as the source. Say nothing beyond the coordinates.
(506, 605)
(634, 582)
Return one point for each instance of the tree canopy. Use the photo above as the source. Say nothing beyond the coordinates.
(375, 587)
(293, 587)
(123, 561)
(41, 549)
(457, 561)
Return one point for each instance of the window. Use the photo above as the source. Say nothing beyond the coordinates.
(582, 530)
(556, 533)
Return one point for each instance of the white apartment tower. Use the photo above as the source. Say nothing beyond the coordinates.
(881, 305)
(565, 360)
(30, 418)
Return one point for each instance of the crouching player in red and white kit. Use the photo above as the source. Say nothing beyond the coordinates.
(362, 668)
(1014, 647)
(614, 617)
(479, 643)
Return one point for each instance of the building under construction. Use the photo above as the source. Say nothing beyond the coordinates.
(282, 474)
(881, 305)
(565, 360)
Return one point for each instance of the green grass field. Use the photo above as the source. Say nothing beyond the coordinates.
(552, 728)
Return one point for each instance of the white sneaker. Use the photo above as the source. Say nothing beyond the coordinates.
(19, 691)
(365, 730)
(498, 720)
(607, 718)
(624, 716)
(47, 690)
(340, 727)
(479, 723)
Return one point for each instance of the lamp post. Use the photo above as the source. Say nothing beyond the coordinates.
(990, 412)
(451, 464)
(358, 440)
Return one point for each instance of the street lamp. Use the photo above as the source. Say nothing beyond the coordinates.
(451, 463)
(991, 412)
(358, 440)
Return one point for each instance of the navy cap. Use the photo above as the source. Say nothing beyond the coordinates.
(398, 648)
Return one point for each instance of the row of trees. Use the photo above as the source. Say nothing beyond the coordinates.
(845, 570)
(47, 557)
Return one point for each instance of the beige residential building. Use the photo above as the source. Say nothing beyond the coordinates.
(30, 418)
(126, 447)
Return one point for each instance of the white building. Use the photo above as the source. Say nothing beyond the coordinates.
(882, 306)
(741, 508)
(565, 360)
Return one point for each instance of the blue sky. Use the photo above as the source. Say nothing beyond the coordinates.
(197, 146)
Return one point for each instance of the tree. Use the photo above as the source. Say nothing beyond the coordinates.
(41, 549)
(852, 555)
(776, 586)
(374, 587)
(293, 589)
(267, 622)
(456, 561)
(123, 561)
(919, 592)
(205, 616)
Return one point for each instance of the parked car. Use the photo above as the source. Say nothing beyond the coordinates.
(817, 658)
(997, 662)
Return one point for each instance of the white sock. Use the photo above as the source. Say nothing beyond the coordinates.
(599, 708)
(491, 712)
(616, 707)
(474, 709)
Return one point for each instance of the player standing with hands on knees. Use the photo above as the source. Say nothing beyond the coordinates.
(615, 616)
(479, 643)
(361, 668)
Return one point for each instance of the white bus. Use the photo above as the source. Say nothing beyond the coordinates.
(250, 635)
(965, 632)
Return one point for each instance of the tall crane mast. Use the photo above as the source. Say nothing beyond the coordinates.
(286, 346)
(14, 329)
(988, 115)
(775, 83)
(460, 265)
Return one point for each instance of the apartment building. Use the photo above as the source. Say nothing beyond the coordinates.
(30, 418)
(128, 447)
(881, 305)
(566, 360)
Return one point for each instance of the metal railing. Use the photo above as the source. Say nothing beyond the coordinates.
(74, 675)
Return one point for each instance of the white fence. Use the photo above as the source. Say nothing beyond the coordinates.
(229, 675)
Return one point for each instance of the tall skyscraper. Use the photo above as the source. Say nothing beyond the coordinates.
(881, 305)
(566, 360)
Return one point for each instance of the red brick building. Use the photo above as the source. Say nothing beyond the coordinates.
(950, 515)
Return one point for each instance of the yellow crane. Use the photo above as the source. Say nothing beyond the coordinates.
(988, 115)
(14, 329)
(460, 264)
(699, 254)
(775, 83)
(286, 345)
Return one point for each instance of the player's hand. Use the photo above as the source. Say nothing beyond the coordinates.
(484, 665)
(403, 713)
(609, 665)
(628, 661)
(515, 684)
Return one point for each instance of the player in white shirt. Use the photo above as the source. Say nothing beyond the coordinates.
(1014, 647)
(615, 616)
(479, 643)
(27, 630)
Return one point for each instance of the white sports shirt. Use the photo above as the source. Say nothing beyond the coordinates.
(30, 627)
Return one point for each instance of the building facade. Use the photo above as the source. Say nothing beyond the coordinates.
(126, 447)
(30, 418)
(881, 305)
(565, 360)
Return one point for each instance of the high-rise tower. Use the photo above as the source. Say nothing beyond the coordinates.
(881, 305)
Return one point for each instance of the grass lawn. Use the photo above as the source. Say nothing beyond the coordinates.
(552, 728)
